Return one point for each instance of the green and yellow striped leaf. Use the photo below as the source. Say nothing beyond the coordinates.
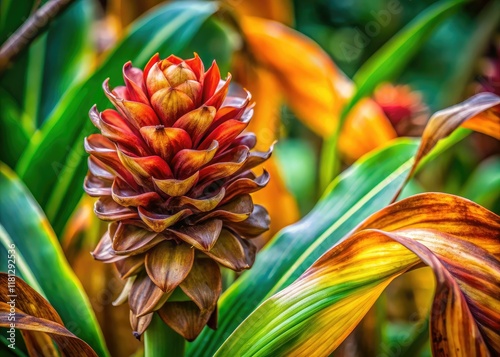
(457, 238)
(41, 261)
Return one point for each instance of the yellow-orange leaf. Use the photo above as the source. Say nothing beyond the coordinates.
(480, 113)
(313, 87)
(281, 11)
(457, 238)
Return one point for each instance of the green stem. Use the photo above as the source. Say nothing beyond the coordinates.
(160, 340)
(329, 162)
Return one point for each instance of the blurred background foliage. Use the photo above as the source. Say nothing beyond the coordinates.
(54, 78)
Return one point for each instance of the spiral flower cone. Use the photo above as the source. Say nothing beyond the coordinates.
(172, 170)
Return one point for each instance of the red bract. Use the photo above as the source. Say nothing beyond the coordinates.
(172, 171)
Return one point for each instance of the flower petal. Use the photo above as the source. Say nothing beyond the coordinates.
(220, 94)
(134, 82)
(255, 158)
(166, 142)
(211, 81)
(203, 204)
(159, 222)
(203, 284)
(173, 187)
(210, 174)
(155, 79)
(108, 210)
(196, 122)
(170, 104)
(184, 317)
(232, 251)
(243, 185)
(144, 168)
(105, 151)
(131, 240)
(104, 251)
(196, 65)
(235, 211)
(224, 134)
(139, 323)
(129, 266)
(201, 236)
(186, 161)
(256, 224)
(247, 139)
(96, 187)
(145, 296)
(124, 195)
(168, 264)
(138, 114)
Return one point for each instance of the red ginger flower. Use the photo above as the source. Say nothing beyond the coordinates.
(173, 176)
(403, 107)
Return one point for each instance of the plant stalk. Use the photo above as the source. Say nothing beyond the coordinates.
(161, 340)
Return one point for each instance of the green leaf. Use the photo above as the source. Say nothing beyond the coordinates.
(54, 164)
(69, 55)
(483, 186)
(384, 65)
(13, 136)
(22, 267)
(391, 59)
(12, 14)
(363, 189)
(38, 248)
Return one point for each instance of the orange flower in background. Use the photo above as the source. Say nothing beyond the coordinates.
(173, 176)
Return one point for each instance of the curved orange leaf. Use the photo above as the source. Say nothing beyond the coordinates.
(457, 238)
(313, 87)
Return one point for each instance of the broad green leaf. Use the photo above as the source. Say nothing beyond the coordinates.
(22, 267)
(385, 65)
(13, 136)
(35, 314)
(53, 62)
(483, 186)
(390, 60)
(12, 15)
(29, 230)
(68, 55)
(363, 189)
(319, 310)
(54, 164)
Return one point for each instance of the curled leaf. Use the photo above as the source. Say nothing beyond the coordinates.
(36, 317)
(319, 310)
